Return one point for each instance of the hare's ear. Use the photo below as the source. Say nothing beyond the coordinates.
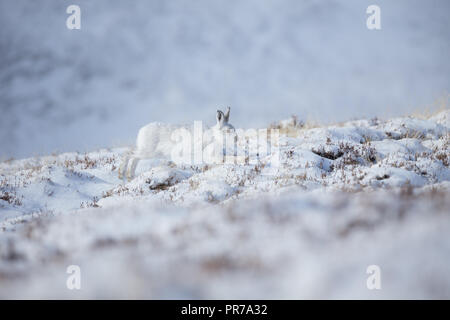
(227, 114)
(219, 116)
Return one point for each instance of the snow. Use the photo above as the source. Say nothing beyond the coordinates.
(343, 197)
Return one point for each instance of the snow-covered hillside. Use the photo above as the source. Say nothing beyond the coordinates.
(345, 196)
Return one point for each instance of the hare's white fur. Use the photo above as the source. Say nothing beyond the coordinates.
(154, 141)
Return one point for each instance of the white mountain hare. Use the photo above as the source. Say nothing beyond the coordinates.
(155, 141)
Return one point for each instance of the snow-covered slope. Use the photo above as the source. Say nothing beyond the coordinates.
(343, 197)
(173, 61)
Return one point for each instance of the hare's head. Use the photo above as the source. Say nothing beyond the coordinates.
(222, 118)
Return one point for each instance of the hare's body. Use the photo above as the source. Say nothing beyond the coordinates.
(154, 141)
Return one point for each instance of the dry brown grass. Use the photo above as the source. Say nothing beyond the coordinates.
(292, 127)
(90, 204)
(10, 197)
(440, 104)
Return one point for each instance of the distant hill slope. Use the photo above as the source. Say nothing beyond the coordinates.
(141, 61)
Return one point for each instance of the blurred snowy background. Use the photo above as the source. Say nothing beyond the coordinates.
(134, 62)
